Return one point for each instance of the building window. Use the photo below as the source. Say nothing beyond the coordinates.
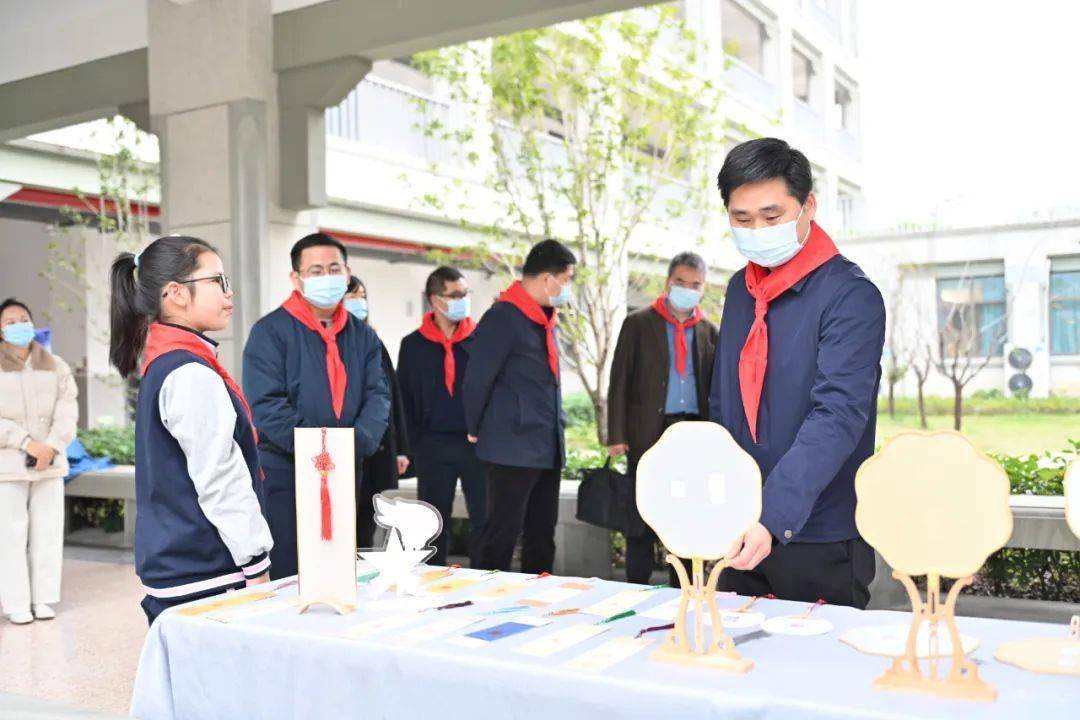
(802, 75)
(743, 35)
(844, 107)
(1065, 312)
(847, 210)
(971, 315)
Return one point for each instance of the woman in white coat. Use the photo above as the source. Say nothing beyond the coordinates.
(38, 416)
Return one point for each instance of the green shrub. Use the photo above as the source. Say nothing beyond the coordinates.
(579, 411)
(117, 443)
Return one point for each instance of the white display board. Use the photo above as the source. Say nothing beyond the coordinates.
(698, 490)
(326, 568)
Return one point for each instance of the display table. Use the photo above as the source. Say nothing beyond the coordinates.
(286, 665)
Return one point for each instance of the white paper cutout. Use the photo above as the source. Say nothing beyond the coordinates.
(410, 526)
(698, 490)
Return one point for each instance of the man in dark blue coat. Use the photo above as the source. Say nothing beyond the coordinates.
(513, 411)
(308, 364)
(431, 371)
(795, 381)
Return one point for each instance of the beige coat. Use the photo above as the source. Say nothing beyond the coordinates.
(38, 400)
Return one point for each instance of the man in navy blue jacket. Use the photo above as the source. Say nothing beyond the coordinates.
(308, 364)
(795, 381)
(431, 369)
(513, 411)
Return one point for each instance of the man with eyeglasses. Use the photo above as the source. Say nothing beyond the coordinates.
(311, 363)
(431, 367)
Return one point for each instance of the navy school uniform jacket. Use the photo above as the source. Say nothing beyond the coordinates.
(512, 402)
(285, 382)
(818, 411)
(430, 410)
(201, 526)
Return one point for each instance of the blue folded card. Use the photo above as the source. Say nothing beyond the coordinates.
(500, 631)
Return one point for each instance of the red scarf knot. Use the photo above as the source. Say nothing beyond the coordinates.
(300, 309)
(431, 331)
(660, 306)
(765, 286)
(517, 296)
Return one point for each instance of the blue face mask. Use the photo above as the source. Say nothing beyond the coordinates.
(19, 334)
(683, 299)
(358, 307)
(325, 291)
(563, 298)
(457, 309)
(770, 246)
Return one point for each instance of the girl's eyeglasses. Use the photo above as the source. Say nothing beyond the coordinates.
(221, 279)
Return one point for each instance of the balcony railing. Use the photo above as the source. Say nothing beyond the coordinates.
(392, 119)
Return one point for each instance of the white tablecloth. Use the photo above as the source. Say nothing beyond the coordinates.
(287, 665)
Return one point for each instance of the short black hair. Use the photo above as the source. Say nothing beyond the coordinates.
(12, 302)
(765, 159)
(318, 239)
(355, 284)
(548, 256)
(687, 259)
(439, 277)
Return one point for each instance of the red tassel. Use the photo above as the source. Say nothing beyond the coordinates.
(324, 464)
(327, 527)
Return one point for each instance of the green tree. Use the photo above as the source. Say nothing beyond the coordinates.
(587, 132)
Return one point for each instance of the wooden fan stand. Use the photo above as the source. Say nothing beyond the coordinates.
(677, 648)
(962, 680)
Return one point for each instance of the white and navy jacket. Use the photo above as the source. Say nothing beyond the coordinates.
(201, 527)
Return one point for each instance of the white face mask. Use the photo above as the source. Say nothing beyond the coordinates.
(770, 246)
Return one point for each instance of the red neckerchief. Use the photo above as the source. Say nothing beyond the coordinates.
(765, 286)
(161, 339)
(523, 301)
(299, 308)
(432, 332)
(661, 308)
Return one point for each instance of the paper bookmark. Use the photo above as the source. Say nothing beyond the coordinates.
(612, 652)
(561, 640)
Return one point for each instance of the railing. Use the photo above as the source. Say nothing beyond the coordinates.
(847, 144)
(808, 121)
(748, 83)
(392, 119)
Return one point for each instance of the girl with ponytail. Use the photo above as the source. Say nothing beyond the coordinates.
(202, 530)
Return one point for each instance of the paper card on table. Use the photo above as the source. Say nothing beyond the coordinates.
(732, 620)
(795, 625)
(487, 635)
(610, 653)
(249, 610)
(501, 591)
(619, 603)
(559, 593)
(561, 640)
(228, 601)
(378, 625)
(437, 629)
(451, 584)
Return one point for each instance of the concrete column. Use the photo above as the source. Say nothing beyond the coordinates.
(211, 85)
(1027, 276)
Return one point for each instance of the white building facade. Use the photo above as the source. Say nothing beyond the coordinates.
(1016, 287)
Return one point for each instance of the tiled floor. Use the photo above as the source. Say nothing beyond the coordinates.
(87, 656)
